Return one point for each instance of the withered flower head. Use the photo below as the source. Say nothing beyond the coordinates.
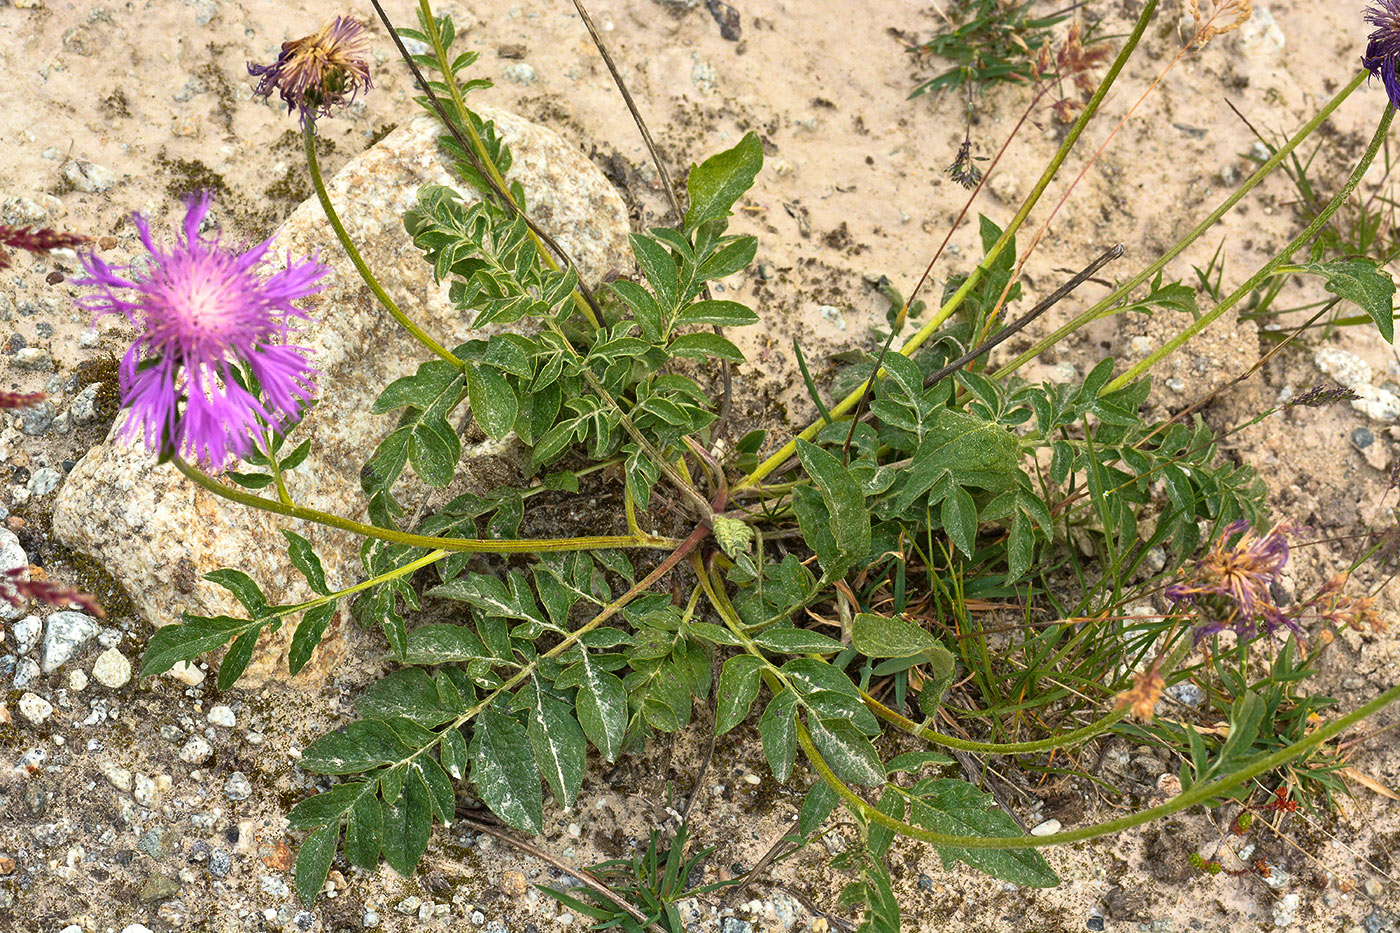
(1141, 699)
(1230, 587)
(10, 400)
(1318, 396)
(1383, 51)
(32, 240)
(318, 73)
(16, 587)
(964, 169)
(1354, 612)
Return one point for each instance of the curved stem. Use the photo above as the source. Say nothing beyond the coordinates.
(954, 302)
(1199, 794)
(1269, 268)
(1105, 307)
(319, 184)
(483, 545)
(1082, 734)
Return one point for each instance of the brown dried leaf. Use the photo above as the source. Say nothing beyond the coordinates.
(1368, 782)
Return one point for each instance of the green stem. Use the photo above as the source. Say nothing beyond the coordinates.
(1269, 268)
(460, 105)
(954, 302)
(1199, 794)
(1106, 307)
(1083, 734)
(319, 184)
(482, 545)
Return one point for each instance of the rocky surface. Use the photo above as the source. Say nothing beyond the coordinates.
(159, 534)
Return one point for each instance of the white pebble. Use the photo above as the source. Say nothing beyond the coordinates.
(35, 708)
(111, 669)
(1048, 828)
(186, 673)
(222, 716)
(197, 750)
(77, 680)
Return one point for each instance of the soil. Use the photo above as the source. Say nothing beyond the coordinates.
(854, 188)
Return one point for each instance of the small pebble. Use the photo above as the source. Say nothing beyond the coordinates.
(25, 633)
(111, 669)
(1048, 828)
(186, 673)
(35, 708)
(520, 73)
(237, 786)
(197, 750)
(118, 777)
(77, 680)
(64, 633)
(221, 715)
(513, 884)
(1362, 438)
(220, 861)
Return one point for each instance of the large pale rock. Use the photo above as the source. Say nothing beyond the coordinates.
(159, 534)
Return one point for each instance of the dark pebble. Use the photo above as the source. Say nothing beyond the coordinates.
(44, 330)
(304, 920)
(1377, 922)
(1095, 923)
(220, 861)
(1363, 438)
(925, 883)
(53, 278)
(68, 465)
(199, 851)
(36, 420)
(15, 344)
(735, 925)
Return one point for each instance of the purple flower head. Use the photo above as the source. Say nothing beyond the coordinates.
(1231, 587)
(318, 73)
(202, 310)
(1383, 51)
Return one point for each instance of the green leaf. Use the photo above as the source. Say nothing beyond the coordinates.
(184, 642)
(972, 451)
(878, 636)
(778, 730)
(914, 761)
(821, 800)
(493, 401)
(244, 588)
(723, 313)
(601, 703)
(304, 559)
(959, 517)
(729, 259)
(797, 641)
(409, 692)
(504, 771)
(308, 635)
(891, 804)
(443, 643)
(739, 681)
(715, 184)
(362, 830)
(364, 744)
(433, 451)
(849, 520)
(407, 823)
(327, 806)
(704, 346)
(559, 746)
(314, 861)
(1363, 283)
(848, 753)
(956, 807)
(235, 662)
(658, 267)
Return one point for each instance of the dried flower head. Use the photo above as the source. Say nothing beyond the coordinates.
(318, 73)
(201, 310)
(12, 400)
(1354, 612)
(16, 586)
(964, 169)
(1231, 586)
(1318, 396)
(1219, 17)
(1383, 49)
(1141, 699)
(31, 240)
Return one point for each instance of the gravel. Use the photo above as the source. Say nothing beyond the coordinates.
(65, 633)
(111, 669)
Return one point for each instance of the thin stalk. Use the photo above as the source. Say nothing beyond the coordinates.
(1199, 794)
(389, 304)
(1269, 267)
(1098, 727)
(480, 545)
(445, 65)
(1105, 307)
(956, 300)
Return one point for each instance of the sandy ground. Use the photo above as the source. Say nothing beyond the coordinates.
(156, 96)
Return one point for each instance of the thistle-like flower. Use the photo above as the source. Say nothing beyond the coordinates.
(1231, 586)
(318, 73)
(1383, 51)
(203, 310)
